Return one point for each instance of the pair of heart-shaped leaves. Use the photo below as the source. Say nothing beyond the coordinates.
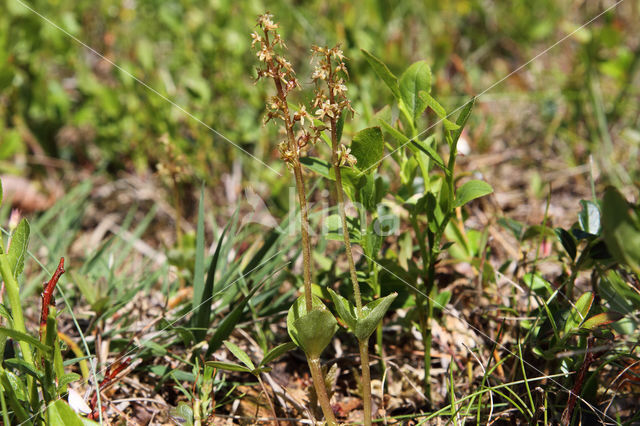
(313, 331)
(362, 325)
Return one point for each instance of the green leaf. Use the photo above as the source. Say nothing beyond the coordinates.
(1, 193)
(240, 354)
(620, 295)
(396, 134)
(315, 331)
(311, 331)
(203, 304)
(462, 120)
(229, 366)
(439, 110)
(277, 352)
(442, 299)
(59, 413)
(589, 217)
(321, 167)
(24, 367)
(18, 249)
(602, 319)
(17, 335)
(346, 311)
(182, 414)
(368, 146)
(16, 385)
(579, 312)
(198, 273)
(224, 329)
(416, 79)
(372, 314)
(621, 229)
(68, 378)
(537, 284)
(568, 242)
(430, 152)
(383, 72)
(470, 191)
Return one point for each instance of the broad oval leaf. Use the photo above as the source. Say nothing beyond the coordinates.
(589, 217)
(416, 79)
(298, 310)
(470, 191)
(621, 228)
(182, 414)
(321, 167)
(314, 331)
(368, 147)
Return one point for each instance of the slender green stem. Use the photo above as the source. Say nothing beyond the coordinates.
(297, 171)
(364, 346)
(13, 291)
(321, 391)
(343, 217)
(425, 313)
(366, 381)
(304, 232)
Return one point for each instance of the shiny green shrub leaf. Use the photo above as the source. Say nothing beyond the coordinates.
(621, 229)
(601, 319)
(578, 313)
(568, 242)
(589, 217)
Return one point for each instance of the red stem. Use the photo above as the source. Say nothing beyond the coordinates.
(47, 294)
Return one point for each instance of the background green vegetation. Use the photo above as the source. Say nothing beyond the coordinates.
(66, 114)
(80, 108)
